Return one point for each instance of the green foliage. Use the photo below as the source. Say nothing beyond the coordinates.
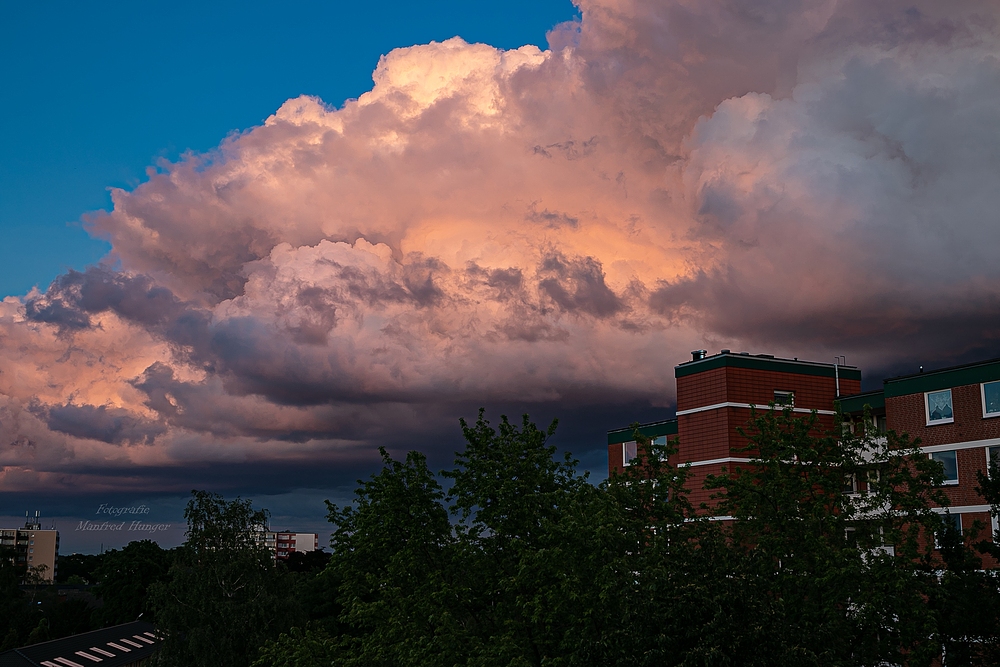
(393, 557)
(837, 574)
(524, 562)
(299, 648)
(125, 577)
(224, 597)
(82, 566)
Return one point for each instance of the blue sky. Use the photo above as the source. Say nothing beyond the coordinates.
(94, 93)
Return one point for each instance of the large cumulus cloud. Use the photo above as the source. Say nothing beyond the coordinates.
(525, 227)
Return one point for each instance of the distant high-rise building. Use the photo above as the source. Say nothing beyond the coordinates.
(284, 544)
(32, 547)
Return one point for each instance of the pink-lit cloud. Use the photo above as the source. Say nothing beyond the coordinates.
(527, 228)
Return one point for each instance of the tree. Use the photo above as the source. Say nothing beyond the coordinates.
(522, 561)
(125, 577)
(17, 616)
(311, 647)
(82, 566)
(839, 578)
(224, 597)
(393, 556)
(520, 529)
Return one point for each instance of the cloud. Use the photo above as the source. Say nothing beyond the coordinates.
(547, 230)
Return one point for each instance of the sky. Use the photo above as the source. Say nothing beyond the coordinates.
(248, 246)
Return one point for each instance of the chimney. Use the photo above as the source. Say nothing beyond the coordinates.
(698, 355)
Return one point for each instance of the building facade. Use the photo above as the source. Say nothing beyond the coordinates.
(32, 547)
(284, 544)
(715, 396)
(954, 412)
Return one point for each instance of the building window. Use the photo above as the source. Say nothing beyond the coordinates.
(784, 399)
(950, 462)
(952, 524)
(991, 399)
(872, 478)
(992, 454)
(850, 484)
(629, 452)
(880, 425)
(939, 407)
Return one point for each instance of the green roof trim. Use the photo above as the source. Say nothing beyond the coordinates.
(655, 429)
(856, 403)
(764, 363)
(945, 378)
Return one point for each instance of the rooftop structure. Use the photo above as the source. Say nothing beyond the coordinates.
(118, 646)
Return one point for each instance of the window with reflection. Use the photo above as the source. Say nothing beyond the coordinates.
(939, 407)
(949, 460)
(991, 399)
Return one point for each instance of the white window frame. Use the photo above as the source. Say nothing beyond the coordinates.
(850, 480)
(874, 476)
(948, 482)
(625, 459)
(787, 396)
(988, 448)
(982, 395)
(927, 408)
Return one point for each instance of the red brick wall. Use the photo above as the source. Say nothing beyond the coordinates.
(704, 435)
(907, 414)
(714, 433)
(615, 462)
(701, 389)
(745, 385)
(812, 392)
(964, 493)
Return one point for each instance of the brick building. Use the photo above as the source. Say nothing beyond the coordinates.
(955, 413)
(714, 398)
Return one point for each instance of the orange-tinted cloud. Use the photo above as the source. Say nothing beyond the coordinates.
(528, 228)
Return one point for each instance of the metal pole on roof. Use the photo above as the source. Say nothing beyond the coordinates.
(836, 374)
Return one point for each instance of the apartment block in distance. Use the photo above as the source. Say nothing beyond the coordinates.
(284, 544)
(715, 395)
(32, 546)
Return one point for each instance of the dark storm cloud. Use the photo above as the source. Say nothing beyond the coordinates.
(577, 285)
(99, 422)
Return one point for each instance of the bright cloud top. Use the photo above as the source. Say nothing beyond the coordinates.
(556, 227)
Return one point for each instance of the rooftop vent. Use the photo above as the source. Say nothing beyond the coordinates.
(724, 351)
(698, 355)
